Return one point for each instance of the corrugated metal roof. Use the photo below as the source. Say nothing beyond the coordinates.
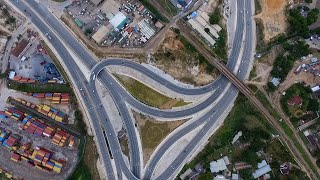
(195, 25)
(205, 16)
(212, 31)
(201, 21)
(217, 27)
(117, 19)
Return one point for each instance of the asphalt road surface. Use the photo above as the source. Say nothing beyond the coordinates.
(102, 126)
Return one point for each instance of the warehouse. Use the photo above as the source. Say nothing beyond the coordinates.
(118, 20)
(21, 48)
(145, 29)
(101, 33)
(195, 25)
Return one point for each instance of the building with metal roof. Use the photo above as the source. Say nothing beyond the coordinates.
(118, 20)
(201, 21)
(217, 166)
(263, 168)
(217, 27)
(195, 25)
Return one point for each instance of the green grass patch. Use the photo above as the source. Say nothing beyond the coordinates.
(205, 176)
(146, 94)
(40, 88)
(220, 48)
(262, 98)
(87, 168)
(169, 7)
(154, 10)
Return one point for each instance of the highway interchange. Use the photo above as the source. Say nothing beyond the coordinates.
(100, 122)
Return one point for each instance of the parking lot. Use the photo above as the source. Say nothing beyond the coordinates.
(30, 60)
(115, 22)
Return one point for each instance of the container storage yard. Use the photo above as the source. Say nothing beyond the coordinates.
(30, 145)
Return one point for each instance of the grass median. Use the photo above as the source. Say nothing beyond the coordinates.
(147, 95)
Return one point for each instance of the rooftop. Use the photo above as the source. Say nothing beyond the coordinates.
(295, 101)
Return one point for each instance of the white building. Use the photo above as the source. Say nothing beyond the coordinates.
(219, 165)
(263, 168)
(196, 26)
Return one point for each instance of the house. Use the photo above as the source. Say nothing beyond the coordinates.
(295, 101)
(284, 169)
(219, 165)
(275, 81)
(263, 168)
(21, 48)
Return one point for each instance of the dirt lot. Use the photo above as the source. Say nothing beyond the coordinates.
(6, 16)
(153, 132)
(273, 17)
(262, 67)
(180, 62)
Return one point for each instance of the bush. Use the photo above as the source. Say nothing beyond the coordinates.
(308, 1)
(215, 17)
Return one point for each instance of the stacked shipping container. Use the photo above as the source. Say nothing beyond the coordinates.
(23, 80)
(46, 110)
(56, 98)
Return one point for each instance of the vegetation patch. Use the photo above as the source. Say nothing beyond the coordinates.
(153, 132)
(154, 10)
(220, 48)
(87, 167)
(147, 95)
(170, 8)
(308, 103)
(257, 135)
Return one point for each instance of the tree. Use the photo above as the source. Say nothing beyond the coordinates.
(214, 19)
(313, 105)
(308, 1)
